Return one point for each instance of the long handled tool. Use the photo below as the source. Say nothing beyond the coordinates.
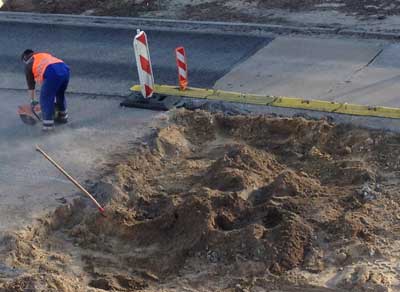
(74, 181)
(35, 109)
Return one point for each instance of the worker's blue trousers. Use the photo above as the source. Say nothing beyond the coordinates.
(55, 83)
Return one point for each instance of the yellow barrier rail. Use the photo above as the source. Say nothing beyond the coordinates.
(278, 101)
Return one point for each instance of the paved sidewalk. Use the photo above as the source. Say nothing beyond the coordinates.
(352, 70)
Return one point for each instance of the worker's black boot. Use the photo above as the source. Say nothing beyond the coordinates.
(61, 117)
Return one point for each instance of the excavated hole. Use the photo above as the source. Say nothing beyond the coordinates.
(272, 219)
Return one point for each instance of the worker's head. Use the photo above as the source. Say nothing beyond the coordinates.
(26, 55)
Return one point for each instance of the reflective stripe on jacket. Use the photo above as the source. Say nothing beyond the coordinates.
(40, 63)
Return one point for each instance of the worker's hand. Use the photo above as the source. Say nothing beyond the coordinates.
(34, 102)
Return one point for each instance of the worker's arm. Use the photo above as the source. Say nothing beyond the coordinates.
(31, 93)
(30, 80)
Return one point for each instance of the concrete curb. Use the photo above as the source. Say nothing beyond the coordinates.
(231, 106)
(327, 107)
(186, 25)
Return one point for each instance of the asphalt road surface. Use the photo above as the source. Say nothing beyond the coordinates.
(102, 60)
(102, 63)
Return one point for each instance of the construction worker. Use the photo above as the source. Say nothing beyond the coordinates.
(53, 75)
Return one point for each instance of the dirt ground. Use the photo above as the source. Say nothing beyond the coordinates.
(263, 10)
(211, 202)
(92, 7)
(231, 10)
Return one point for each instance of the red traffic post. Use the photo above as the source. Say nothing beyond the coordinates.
(142, 55)
(181, 63)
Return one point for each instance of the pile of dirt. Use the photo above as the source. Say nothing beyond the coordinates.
(226, 203)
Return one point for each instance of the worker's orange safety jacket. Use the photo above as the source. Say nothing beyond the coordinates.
(40, 63)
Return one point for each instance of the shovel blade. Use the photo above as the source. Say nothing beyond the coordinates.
(26, 114)
(28, 119)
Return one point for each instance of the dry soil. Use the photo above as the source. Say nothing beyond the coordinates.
(211, 202)
(231, 10)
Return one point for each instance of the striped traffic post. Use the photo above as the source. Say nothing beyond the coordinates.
(181, 63)
(143, 62)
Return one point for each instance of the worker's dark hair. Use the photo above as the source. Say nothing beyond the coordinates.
(25, 55)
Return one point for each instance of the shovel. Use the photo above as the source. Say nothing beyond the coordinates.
(29, 114)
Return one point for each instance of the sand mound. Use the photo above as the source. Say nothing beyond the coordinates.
(211, 202)
(241, 167)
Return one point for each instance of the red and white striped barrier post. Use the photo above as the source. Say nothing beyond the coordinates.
(181, 63)
(143, 62)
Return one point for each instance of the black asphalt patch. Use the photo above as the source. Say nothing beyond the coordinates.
(102, 60)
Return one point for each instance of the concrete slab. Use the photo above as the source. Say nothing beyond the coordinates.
(30, 185)
(302, 67)
(376, 84)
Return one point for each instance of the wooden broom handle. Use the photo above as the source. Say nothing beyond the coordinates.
(74, 181)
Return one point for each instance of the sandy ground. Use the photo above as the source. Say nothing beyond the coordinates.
(226, 203)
